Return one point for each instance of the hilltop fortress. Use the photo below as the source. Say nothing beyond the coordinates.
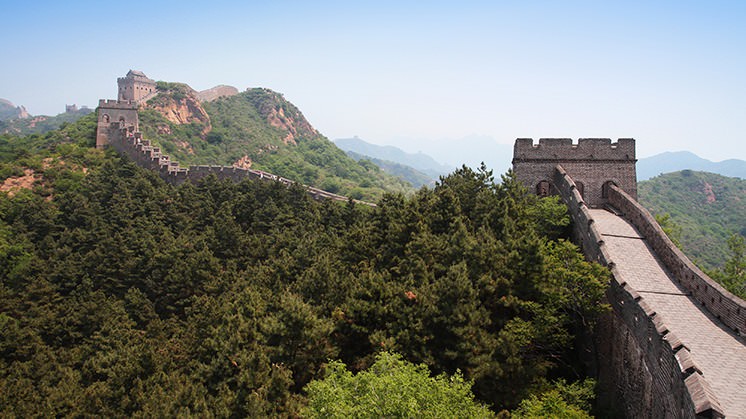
(135, 87)
(593, 163)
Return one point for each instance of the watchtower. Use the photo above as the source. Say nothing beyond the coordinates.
(113, 115)
(593, 163)
(135, 86)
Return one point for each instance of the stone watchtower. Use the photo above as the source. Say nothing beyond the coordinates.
(593, 163)
(135, 86)
(113, 116)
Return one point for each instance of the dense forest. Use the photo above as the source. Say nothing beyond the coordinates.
(121, 295)
(708, 208)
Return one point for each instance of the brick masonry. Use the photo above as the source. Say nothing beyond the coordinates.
(592, 163)
(672, 346)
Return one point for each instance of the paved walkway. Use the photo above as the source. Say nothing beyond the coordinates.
(718, 352)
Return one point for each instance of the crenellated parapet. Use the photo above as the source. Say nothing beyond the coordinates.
(646, 367)
(593, 163)
(591, 149)
(116, 104)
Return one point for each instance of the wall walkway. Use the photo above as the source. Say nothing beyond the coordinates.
(673, 346)
(713, 349)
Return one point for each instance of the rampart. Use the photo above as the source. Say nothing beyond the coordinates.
(593, 163)
(725, 306)
(646, 370)
(123, 137)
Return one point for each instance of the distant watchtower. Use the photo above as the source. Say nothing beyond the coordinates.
(593, 163)
(136, 87)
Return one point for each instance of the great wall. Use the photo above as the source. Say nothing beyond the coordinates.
(118, 127)
(672, 345)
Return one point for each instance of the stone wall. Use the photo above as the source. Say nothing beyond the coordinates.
(136, 87)
(592, 163)
(112, 115)
(725, 306)
(644, 369)
(123, 137)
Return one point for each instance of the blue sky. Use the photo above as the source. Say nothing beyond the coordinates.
(668, 73)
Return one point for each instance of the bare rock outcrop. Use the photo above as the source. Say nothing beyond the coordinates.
(181, 108)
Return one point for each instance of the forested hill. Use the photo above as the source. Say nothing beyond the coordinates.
(121, 295)
(257, 129)
(707, 207)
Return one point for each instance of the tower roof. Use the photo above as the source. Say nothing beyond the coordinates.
(136, 73)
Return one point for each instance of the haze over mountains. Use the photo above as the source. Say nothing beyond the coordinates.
(474, 150)
(672, 161)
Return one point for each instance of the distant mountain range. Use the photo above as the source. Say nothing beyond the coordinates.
(673, 161)
(418, 161)
(415, 177)
(474, 150)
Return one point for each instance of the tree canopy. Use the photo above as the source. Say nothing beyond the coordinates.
(121, 295)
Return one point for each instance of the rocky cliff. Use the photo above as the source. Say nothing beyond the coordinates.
(179, 104)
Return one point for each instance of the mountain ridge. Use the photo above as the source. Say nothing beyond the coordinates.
(673, 161)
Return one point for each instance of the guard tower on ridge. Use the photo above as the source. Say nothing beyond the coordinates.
(135, 87)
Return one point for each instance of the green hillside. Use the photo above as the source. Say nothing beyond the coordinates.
(258, 128)
(708, 207)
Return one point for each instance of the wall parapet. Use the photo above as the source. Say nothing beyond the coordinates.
(127, 141)
(718, 301)
(117, 104)
(586, 234)
(676, 384)
(595, 149)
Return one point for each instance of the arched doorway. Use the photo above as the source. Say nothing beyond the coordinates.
(605, 188)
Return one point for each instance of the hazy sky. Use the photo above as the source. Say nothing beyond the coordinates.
(668, 73)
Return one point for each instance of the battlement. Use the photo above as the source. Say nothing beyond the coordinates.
(564, 149)
(594, 163)
(116, 104)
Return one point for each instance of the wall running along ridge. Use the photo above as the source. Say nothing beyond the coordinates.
(647, 368)
(118, 128)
